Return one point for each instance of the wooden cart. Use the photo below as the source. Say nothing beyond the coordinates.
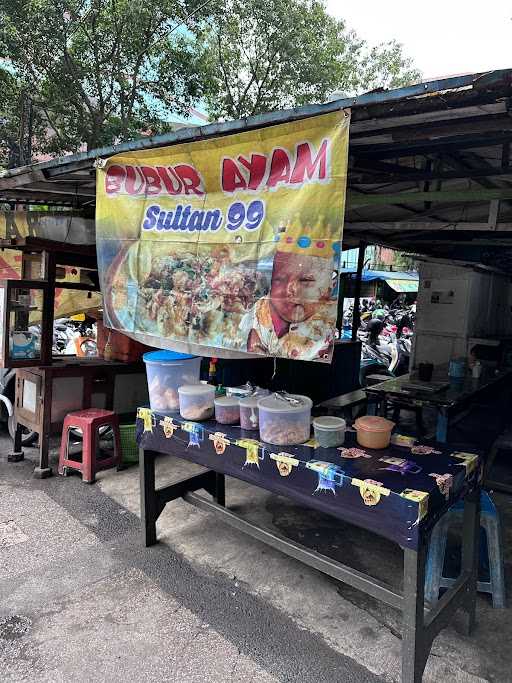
(48, 386)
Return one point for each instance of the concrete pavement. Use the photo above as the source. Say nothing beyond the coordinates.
(80, 596)
(81, 599)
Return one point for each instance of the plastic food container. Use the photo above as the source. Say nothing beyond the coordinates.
(329, 431)
(284, 422)
(457, 368)
(166, 371)
(196, 401)
(227, 410)
(373, 431)
(249, 411)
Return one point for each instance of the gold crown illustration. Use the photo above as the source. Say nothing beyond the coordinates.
(308, 241)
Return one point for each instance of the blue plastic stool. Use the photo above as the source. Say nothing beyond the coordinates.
(490, 523)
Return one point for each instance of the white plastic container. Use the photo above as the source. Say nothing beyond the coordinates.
(227, 410)
(285, 421)
(166, 371)
(196, 401)
(329, 431)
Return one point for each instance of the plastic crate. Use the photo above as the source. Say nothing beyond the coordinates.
(129, 446)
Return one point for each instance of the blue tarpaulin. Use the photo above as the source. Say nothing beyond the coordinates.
(398, 280)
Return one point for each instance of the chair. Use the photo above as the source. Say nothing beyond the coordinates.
(89, 422)
(502, 443)
(490, 523)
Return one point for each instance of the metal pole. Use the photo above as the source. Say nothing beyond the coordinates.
(356, 318)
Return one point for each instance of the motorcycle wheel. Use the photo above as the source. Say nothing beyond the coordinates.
(27, 437)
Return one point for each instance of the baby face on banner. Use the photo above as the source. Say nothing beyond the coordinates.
(299, 282)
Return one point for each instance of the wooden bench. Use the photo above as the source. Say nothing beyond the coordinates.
(376, 379)
(345, 403)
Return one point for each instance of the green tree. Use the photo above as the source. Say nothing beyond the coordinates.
(264, 55)
(384, 66)
(100, 71)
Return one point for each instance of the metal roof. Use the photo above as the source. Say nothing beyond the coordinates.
(429, 169)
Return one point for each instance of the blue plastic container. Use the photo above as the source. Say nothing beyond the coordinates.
(457, 368)
(166, 372)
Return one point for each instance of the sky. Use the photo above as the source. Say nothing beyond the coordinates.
(444, 37)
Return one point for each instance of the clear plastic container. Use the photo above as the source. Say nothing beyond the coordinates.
(227, 410)
(249, 412)
(285, 422)
(166, 371)
(197, 401)
(329, 431)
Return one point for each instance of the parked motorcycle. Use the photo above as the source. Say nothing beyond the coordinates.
(7, 392)
(74, 338)
(389, 357)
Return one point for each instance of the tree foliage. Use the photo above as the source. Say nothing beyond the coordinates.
(99, 71)
(271, 54)
(87, 73)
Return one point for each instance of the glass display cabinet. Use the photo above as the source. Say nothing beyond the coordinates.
(24, 304)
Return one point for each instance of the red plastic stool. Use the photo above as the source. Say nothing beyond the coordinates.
(89, 421)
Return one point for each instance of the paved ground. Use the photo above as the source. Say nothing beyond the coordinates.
(81, 598)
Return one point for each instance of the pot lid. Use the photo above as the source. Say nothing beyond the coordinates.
(285, 403)
(373, 423)
(329, 423)
(196, 390)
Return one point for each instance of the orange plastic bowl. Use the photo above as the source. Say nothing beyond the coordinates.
(373, 431)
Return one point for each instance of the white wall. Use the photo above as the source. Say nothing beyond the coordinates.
(454, 304)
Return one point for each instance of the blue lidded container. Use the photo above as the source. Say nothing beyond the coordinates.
(166, 372)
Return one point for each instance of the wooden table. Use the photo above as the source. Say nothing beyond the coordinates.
(393, 492)
(448, 402)
(45, 394)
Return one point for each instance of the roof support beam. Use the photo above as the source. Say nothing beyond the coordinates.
(399, 226)
(456, 142)
(60, 189)
(444, 196)
(372, 171)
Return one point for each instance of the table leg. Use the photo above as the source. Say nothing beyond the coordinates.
(415, 647)
(470, 556)
(16, 455)
(373, 407)
(148, 506)
(442, 427)
(383, 407)
(220, 489)
(44, 470)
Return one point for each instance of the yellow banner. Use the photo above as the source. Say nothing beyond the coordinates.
(229, 245)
